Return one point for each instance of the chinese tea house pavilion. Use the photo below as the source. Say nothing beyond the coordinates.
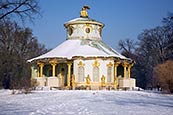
(82, 60)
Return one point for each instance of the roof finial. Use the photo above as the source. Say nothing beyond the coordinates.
(83, 12)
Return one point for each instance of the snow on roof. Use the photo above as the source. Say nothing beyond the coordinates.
(84, 47)
(83, 20)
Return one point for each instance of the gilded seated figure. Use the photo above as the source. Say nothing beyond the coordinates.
(103, 84)
(88, 80)
(61, 79)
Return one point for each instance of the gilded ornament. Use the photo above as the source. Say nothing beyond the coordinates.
(73, 80)
(81, 64)
(84, 12)
(117, 63)
(96, 63)
(110, 64)
(115, 81)
(103, 84)
(88, 80)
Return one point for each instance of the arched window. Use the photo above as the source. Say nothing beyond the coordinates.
(95, 74)
(81, 74)
(109, 74)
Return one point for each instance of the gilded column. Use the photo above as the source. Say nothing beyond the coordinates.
(41, 70)
(53, 63)
(41, 65)
(115, 74)
(115, 68)
(38, 71)
(69, 73)
(125, 64)
(129, 67)
(53, 69)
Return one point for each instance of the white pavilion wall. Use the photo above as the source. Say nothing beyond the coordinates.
(79, 32)
(88, 68)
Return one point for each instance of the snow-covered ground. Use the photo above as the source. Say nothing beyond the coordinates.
(85, 103)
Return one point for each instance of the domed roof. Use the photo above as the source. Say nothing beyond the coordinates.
(83, 20)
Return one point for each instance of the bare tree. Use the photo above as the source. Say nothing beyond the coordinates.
(19, 9)
(127, 47)
(168, 25)
(154, 47)
(16, 46)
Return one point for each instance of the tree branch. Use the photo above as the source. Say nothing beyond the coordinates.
(13, 10)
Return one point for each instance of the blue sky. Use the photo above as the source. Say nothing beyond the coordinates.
(122, 18)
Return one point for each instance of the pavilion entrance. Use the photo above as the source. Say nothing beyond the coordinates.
(54, 74)
(62, 71)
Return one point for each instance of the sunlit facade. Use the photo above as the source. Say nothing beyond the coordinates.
(83, 60)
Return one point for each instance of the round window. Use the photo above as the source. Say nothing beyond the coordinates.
(70, 30)
(87, 30)
(100, 31)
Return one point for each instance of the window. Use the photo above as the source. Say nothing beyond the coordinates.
(87, 30)
(70, 30)
(95, 74)
(81, 74)
(109, 73)
(100, 31)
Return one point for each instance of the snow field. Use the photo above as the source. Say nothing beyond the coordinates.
(85, 103)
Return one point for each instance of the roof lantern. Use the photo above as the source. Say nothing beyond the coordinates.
(84, 27)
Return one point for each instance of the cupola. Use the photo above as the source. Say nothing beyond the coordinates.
(84, 27)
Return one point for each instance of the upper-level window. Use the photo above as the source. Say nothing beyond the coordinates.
(87, 30)
(70, 30)
(100, 31)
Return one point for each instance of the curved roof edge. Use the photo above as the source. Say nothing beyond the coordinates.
(82, 48)
(83, 21)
